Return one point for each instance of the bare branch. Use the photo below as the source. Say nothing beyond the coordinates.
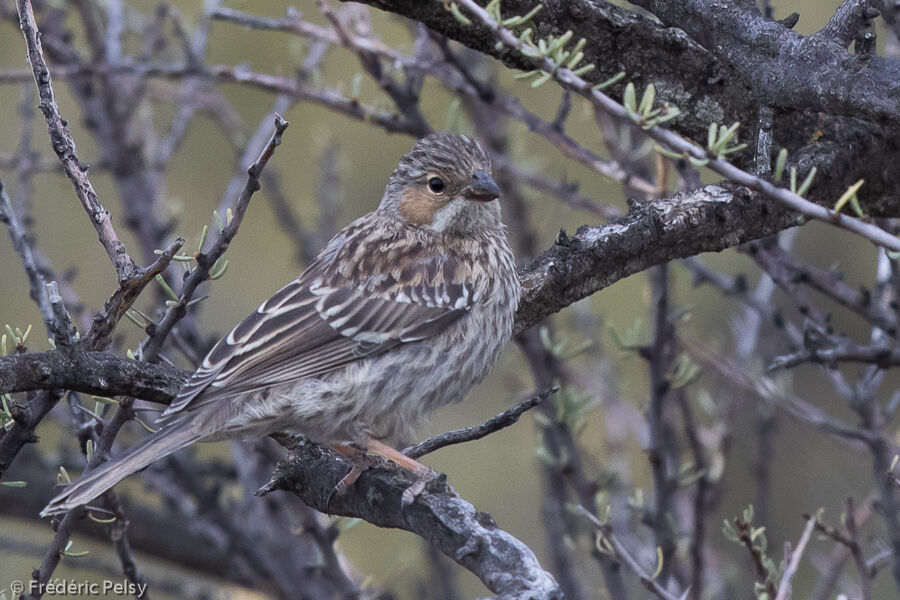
(468, 434)
(784, 588)
(64, 147)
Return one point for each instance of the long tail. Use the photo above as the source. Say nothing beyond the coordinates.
(167, 441)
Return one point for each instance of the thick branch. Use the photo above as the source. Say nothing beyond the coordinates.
(99, 373)
(707, 220)
(784, 68)
(471, 538)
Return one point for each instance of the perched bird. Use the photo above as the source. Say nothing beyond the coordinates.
(403, 311)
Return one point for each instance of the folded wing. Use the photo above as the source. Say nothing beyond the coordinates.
(323, 321)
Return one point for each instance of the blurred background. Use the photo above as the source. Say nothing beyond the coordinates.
(332, 169)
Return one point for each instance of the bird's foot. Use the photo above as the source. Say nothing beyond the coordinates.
(425, 478)
(432, 482)
(358, 463)
(412, 492)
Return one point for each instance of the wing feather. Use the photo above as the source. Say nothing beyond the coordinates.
(324, 320)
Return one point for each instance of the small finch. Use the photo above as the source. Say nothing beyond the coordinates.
(403, 311)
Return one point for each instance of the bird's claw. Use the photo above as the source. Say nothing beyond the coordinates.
(409, 494)
(431, 481)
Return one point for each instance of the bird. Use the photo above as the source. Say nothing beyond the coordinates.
(403, 311)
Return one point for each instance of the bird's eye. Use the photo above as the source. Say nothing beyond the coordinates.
(436, 185)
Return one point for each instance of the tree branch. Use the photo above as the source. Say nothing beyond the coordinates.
(468, 434)
(471, 538)
(64, 146)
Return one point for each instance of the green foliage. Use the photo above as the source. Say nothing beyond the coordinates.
(631, 340)
(217, 271)
(741, 531)
(850, 197)
(16, 336)
(780, 163)
(564, 347)
(68, 551)
(683, 371)
(644, 113)
(573, 408)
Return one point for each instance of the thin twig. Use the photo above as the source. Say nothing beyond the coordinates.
(64, 147)
(22, 245)
(784, 588)
(64, 528)
(468, 434)
(206, 260)
(865, 573)
(622, 553)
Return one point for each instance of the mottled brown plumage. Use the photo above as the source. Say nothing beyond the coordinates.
(404, 310)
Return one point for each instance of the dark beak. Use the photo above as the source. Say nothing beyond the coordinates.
(482, 188)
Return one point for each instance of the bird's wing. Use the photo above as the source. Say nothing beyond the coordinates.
(326, 319)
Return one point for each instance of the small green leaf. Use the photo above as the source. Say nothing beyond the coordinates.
(582, 70)
(133, 316)
(218, 269)
(629, 99)
(844, 199)
(672, 112)
(165, 286)
(68, 552)
(732, 150)
(711, 137)
(647, 100)
(576, 58)
(804, 187)
(493, 9)
(557, 43)
(144, 425)
(530, 14)
(544, 78)
(203, 233)
(14, 484)
(99, 520)
(666, 152)
(725, 135)
(605, 84)
(525, 37)
(62, 478)
(457, 14)
(780, 163)
(698, 162)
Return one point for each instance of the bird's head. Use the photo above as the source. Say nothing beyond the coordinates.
(444, 184)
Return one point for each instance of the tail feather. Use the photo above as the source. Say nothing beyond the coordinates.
(96, 482)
